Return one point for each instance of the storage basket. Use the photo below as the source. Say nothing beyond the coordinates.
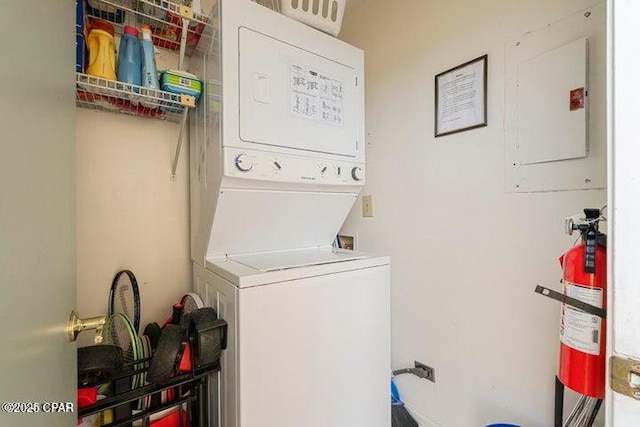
(325, 15)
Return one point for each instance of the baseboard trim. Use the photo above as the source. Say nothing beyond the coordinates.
(422, 419)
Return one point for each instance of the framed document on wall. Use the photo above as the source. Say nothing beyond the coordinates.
(461, 97)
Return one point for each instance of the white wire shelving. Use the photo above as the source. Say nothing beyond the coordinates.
(175, 27)
(101, 94)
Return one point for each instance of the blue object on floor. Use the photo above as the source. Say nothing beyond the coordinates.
(395, 395)
(503, 425)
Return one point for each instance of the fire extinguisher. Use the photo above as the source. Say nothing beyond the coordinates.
(583, 327)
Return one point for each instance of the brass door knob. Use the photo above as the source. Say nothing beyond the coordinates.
(77, 325)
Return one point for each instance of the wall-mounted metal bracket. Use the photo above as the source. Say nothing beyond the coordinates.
(587, 308)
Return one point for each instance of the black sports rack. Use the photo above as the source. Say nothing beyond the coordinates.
(190, 394)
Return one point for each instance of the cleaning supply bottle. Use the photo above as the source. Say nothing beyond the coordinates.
(149, 70)
(102, 50)
(129, 64)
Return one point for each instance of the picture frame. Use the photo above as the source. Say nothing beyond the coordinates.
(461, 97)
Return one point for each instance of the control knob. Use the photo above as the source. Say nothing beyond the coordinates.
(242, 164)
(356, 173)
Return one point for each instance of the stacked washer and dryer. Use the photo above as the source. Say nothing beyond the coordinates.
(277, 161)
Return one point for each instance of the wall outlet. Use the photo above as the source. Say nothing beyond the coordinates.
(367, 206)
(346, 242)
(424, 371)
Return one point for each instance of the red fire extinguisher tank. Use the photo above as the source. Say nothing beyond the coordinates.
(582, 335)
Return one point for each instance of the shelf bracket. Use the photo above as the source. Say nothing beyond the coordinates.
(188, 101)
(183, 41)
(186, 12)
(176, 155)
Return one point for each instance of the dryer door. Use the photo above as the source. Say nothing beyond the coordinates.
(292, 98)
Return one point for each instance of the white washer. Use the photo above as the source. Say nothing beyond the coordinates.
(308, 341)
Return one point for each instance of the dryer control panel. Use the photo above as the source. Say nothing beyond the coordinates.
(266, 166)
(293, 98)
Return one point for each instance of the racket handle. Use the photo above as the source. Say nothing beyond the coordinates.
(177, 313)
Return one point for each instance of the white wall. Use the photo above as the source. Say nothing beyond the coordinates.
(129, 213)
(465, 255)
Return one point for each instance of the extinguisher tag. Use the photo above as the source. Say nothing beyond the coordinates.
(580, 330)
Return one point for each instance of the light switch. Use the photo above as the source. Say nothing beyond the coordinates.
(367, 206)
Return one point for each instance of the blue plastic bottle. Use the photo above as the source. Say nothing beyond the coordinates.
(129, 64)
(149, 70)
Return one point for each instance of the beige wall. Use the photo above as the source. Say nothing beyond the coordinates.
(465, 255)
(130, 214)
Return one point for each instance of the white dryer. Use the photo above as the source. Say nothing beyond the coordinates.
(277, 161)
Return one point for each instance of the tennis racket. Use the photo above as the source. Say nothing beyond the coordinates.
(119, 331)
(124, 297)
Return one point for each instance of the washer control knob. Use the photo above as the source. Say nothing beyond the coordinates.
(356, 173)
(242, 164)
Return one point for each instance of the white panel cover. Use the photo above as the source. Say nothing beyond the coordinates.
(313, 100)
(248, 221)
(548, 130)
(529, 163)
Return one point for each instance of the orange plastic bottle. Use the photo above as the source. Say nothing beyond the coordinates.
(102, 50)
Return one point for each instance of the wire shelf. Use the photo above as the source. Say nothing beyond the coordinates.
(164, 17)
(174, 26)
(109, 95)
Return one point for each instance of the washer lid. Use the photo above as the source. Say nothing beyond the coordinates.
(277, 261)
(247, 271)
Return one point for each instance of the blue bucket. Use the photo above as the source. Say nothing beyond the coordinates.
(503, 425)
